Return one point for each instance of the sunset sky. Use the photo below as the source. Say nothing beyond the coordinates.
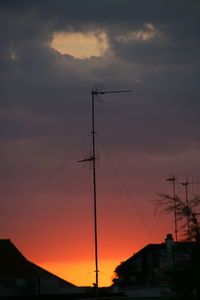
(52, 53)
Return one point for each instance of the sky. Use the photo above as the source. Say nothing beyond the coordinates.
(52, 54)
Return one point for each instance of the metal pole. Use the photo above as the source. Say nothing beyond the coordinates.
(93, 159)
(94, 195)
(186, 184)
(173, 179)
(187, 203)
(175, 212)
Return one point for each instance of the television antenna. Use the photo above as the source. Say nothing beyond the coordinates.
(186, 183)
(96, 93)
(173, 180)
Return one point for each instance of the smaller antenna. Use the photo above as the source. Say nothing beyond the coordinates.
(186, 184)
(173, 180)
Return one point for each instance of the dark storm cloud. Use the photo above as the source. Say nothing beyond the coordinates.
(162, 69)
(118, 10)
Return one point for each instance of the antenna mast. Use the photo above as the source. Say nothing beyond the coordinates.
(97, 93)
(186, 185)
(173, 180)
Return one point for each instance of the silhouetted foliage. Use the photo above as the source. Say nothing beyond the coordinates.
(184, 212)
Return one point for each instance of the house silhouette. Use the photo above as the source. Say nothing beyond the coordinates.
(19, 276)
(150, 271)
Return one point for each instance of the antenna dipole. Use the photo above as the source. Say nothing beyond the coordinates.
(96, 92)
(173, 180)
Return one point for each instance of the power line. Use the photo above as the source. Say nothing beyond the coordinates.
(126, 190)
(42, 186)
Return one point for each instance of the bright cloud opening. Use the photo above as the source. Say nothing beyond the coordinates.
(80, 45)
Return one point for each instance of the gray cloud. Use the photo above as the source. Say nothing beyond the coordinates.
(45, 96)
(44, 81)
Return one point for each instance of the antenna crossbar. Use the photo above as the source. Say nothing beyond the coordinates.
(95, 92)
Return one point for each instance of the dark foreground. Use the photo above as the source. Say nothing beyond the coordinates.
(89, 297)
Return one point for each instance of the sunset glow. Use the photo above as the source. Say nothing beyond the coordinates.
(82, 273)
(55, 56)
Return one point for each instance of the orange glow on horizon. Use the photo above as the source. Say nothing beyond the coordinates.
(82, 273)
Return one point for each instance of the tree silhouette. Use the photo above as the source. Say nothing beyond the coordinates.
(187, 213)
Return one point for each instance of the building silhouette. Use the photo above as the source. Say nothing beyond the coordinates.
(151, 271)
(19, 276)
